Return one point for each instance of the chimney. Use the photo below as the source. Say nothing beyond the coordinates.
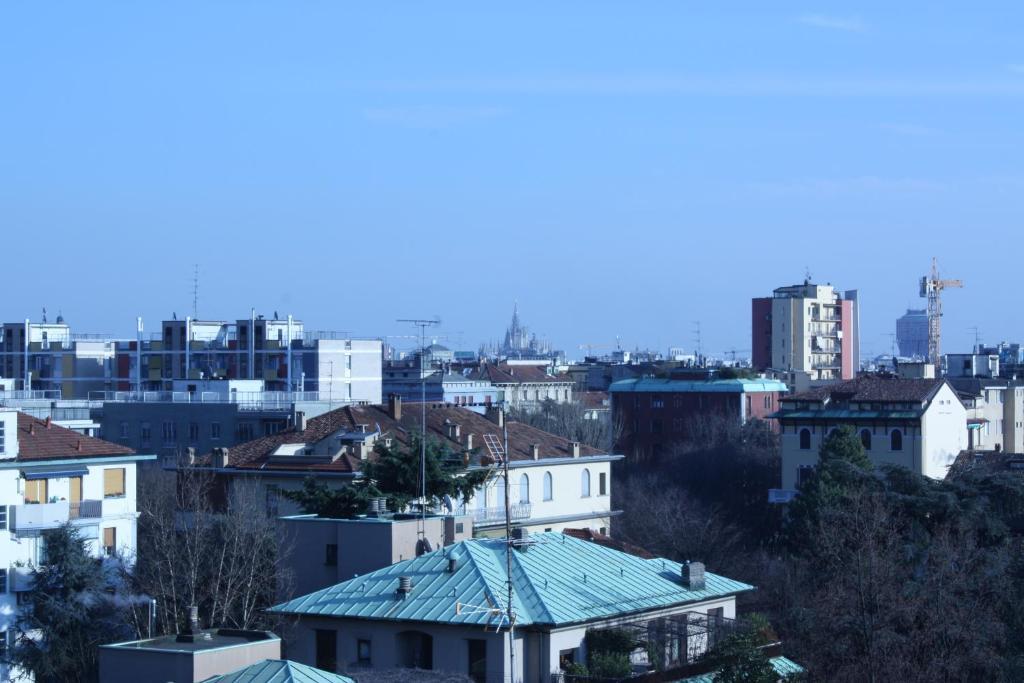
(300, 421)
(193, 619)
(364, 450)
(469, 442)
(395, 407)
(693, 575)
(31, 428)
(78, 446)
(47, 421)
(574, 446)
(190, 454)
(454, 431)
(404, 586)
(497, 416)
(453, 564)
(535, 451)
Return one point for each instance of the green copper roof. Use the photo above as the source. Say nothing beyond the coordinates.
(668, 386)
(279, 671)
(557, 580)
(783, 667)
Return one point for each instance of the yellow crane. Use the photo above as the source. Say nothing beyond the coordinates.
(931, 289)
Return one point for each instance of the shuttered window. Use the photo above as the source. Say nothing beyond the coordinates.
(113, 482)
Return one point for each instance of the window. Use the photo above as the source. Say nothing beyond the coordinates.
(331, 555)
(657, 403)
(3, 580)
(215, 430)
(585, 484)
(865, 439)
(245, 431)
(477, 652)
(326, 649)
(805, 439)
(109, 541)
(364, 652)
(3, 517)
(193, 432)
(548, 488)
(896, 440)
(602, 484)
(524, 489)
(145, 432)
(113, 482)
(170, 432)
(124, 430)
(459, 526)
(2, 437)
(35, 491)
(803, 473)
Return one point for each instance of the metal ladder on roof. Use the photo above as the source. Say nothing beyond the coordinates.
(494, 447)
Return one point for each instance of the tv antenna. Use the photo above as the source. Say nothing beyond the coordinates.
(423, 324)
(195, 291)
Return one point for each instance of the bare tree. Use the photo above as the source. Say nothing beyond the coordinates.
(570, 421)
(227, 561)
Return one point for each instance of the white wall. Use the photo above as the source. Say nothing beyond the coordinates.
(944, 426)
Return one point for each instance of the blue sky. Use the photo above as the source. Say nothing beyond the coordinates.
(619, 169)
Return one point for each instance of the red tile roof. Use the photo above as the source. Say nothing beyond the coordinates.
(43, 440)
(521, 437)
(516, 374)
(880, 389)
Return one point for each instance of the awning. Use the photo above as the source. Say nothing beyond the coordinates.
(54, 472)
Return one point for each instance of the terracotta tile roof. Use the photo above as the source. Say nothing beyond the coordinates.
(594, 400)
(521, 437)
(504, 373)
(43, 440)
(880, 389)
(608, 542)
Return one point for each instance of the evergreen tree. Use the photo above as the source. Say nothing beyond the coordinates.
(70, 612)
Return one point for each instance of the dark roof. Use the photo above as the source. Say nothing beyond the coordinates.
(521, 437)
(608, 542)
(43, 440)
(515, 374)
(880, 389)
(594, 399)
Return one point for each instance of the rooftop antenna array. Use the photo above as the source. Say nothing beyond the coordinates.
(423, 324)
(195, 291)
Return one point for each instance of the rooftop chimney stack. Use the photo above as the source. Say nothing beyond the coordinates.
(497, 416)
(300, 421)
(535, 451)
(469, 442)
(221, 459)
(574, 446)
(395, 407)
(693, 575)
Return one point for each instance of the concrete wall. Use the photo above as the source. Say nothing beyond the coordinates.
(128, 664)
(944, 428)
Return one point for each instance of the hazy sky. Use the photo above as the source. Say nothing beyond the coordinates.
(618, 168)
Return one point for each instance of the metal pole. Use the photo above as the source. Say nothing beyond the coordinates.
(423, 434)
(188, 346)
(26, 382)
(291, 380)
(508, 558)
(138, 354)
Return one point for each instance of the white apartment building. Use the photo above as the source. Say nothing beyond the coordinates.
(920, 424)
(50, 476)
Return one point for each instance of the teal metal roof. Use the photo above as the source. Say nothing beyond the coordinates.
(558, 580)
(783, 667)
(668, 386)
(279, 671)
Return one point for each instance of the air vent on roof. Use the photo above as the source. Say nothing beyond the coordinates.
(404, 586)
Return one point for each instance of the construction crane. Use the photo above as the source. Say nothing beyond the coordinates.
(931, 289)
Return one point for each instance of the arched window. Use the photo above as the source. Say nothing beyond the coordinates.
(585, 484)
(865, 439)
(805, 439)
(896, 440)
(548, 488)
(524, 489)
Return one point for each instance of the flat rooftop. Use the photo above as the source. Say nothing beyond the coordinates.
(219, 638)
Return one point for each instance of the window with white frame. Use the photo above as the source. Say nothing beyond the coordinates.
(585, 484)
(524, 489)
(548, 486)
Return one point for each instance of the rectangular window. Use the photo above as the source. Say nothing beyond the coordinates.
(215, 430)
(326, 649)
(109, 541)
(245, 431)
(193, 432)
(331, 555)
(35, 491)
(3, 517)
(170, 432)
(459, 527)
(145, 432)
(113, 482)
(364, 652)
(803, 472)
(2, 436)
(602, 484)
(124, 430)
(3, 580)
(477, 651)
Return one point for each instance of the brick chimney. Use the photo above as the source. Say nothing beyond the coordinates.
(395, 407)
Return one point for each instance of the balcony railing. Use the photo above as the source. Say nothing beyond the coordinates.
(40, 516)
(497, 514)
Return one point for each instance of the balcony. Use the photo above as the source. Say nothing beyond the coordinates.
(21, 579)
(518, 511)
(41, 516)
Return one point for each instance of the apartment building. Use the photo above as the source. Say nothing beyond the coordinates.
(524, 385)
(555, 483)
(806, 334)
(654, 413)
(50, 476)
(912, 333)
(920, 424)
(49, 357)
